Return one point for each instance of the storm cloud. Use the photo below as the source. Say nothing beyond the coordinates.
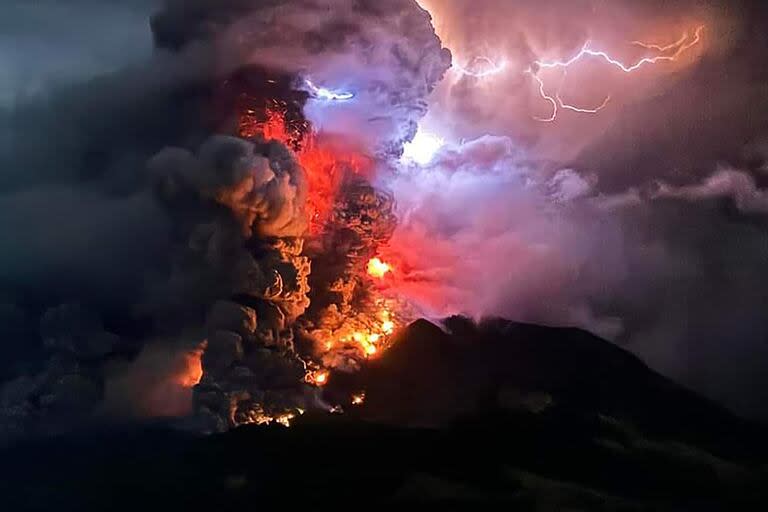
(644, 223)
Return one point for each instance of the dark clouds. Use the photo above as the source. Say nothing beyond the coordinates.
(655, 235)
(46, 42)
(64, 242)
(673, 273)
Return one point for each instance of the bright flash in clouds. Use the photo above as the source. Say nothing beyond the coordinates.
(322, 93)
(422, 148)
(481, 67)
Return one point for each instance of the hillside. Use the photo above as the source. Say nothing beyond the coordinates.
(539, 418)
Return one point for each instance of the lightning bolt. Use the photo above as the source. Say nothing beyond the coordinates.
(483, 67)
(663, 49)
(677, 48)
(327, 94)
(545, 96)
(493, 68)
(557, 101)
(682, 46)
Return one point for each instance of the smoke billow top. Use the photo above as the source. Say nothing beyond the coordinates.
(191, 232)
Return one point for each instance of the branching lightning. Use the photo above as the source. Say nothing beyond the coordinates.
(557, 101)
(676, 44)
(545, 96)
(677, 48)
(682, 45)
(483, 67)
(583, 110)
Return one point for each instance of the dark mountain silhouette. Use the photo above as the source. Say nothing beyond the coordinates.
(539, 418)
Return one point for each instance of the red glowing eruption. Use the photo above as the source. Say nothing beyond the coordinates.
(325, 161)
(191, 370)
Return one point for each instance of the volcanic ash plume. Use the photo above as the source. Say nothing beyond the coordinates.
(247, 250)
(248, 195)
(383, 54)
(279, 328)
(265, 195)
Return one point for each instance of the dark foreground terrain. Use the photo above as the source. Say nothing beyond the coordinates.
(538, 418)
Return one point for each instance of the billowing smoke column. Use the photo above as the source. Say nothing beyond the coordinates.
(384, 60)
(262, 126)
(246, 255)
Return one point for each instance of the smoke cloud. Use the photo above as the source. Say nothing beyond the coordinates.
(46, 44)
(666, 271)
(134, 203)
(381, 52)
(644, 223)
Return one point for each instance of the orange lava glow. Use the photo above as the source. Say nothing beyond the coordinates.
(377, 268)
(317, 378)
(326, 162)
(284, 418)
(370, 335)
(193, 370)
(326, 166)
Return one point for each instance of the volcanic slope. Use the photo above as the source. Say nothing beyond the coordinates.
(541, 418)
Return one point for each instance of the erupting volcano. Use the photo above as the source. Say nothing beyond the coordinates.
(302, 225)
(313, 214)
(349, 317)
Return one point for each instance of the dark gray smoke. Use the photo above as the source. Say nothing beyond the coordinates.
(47, 43)
(382, 52)
(143, 239)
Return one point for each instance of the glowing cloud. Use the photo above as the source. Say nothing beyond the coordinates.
(422, 148)
(322, 93)
(481, 67)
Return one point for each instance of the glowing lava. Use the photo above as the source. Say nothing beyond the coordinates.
(377, 268)
(317, 378)
(193, 369)
(259, 417)
(360, 324)
(367, 334)
(325, 162)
